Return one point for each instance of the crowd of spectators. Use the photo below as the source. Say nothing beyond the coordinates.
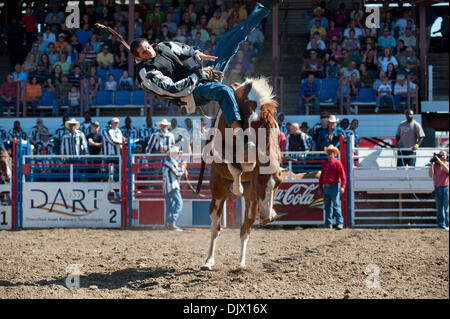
(70, 62)
(341, 46)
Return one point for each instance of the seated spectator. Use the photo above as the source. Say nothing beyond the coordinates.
(121, 59)
(329, 52)
(401, 92)
(234, 75)
(210, 45)
(197, 42)
(33, 94)
(349, 70)
(125, 82)
(249, 51)
(386, 41)
(62, 94)
(246, 63)
(217, 24)
(62, 62)
(105, 59)
(233, 19)
(35, 51)
(77, 47)
(42, 45)
(8, 93)
(312, 65)
(94, 43)
(186, 22)
(309, 93)
(352, 131)
(333, 30)
(93, 73)
(352, 26)
(369, 57)
(331, 68)
(165, 34)
(53, 56)
(352, 44)
(54, 13)
(400, 50)
(81, 63)
(318, 14)
(204, 35)
(338, 53)
(346, 59)
(315, 39)
(30, 65)
(110, 85)
(90, 54)
(356, 10)
(45, 61)
(411, 58)
(138, 32)
(409, 39)
(171, 25)
(391, 73)
(386, 59)
(366, 76)
(350, 89)
(257, 39)
(36, 132)
(48, 36)
(384, 95)
(61, 43)
(74, 101)
(402, 22)
(41, 74)
(83, 34)
(387, 22)
(341, 16)
(179, 36)
(317, 28)
(239, 7)
(298, 140)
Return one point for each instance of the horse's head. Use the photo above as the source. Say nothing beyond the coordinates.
(5, 166)
(256, 101)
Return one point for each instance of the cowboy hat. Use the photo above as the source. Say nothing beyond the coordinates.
(72, 121)
(331, 148)
(318, 9)
(174, 150)
(163, 122)
(332, 118)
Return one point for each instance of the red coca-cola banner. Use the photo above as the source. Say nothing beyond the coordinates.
(299, 203)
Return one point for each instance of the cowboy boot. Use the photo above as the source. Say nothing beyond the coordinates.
(270, 3)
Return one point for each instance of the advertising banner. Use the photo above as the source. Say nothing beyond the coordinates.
(5, 207)
(71, 205)
(298, 202)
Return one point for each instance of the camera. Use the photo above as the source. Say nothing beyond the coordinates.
(434, 159)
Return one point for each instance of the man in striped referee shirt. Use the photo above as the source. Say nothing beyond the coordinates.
(113, 138)
(73, 142)
(172, 173)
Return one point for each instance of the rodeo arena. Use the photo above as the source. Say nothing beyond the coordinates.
(238, 150)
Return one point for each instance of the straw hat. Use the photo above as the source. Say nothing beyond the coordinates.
(174, 150)
(333, 119)
(72, 121)
(163, 122)
(331, 148)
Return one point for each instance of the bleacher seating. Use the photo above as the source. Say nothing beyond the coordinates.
(138, 97)
(122, 97)
(104, 97)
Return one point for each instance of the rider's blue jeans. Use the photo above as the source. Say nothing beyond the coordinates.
(225, 50)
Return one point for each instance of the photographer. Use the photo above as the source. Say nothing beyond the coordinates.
(439, 172)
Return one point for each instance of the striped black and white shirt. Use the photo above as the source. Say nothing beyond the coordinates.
(3, 138)
(86, 128)
(165, 141)
(74, 144)
(172, 173)
(131, 132)
(112, 143)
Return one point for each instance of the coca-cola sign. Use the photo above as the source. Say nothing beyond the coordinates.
(297, 202)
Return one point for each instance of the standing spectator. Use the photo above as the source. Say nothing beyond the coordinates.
(62, 94)
(318, 128)
(95, 139)
(330, 135)
(85, 127)
(35, 135)
(110, 85)
(105, 59)
(45, 141)
(74, 141)
(113, 138)
(147, 131)
(8, 93)
(30, 22)
(19, 75)
(129, 131)
(332, 184)
(384, 95)
(172, 173)
(439, 173)
(165, 138)
(409, 135)
(309, 92)
(90, 53)
(401, 91)
(74, 101)
(352, 131)
(297, 139)
(17, 132)
(33, 94)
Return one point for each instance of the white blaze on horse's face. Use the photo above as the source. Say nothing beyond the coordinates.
(261, 93)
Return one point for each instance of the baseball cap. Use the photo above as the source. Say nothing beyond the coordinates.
(115, 120)
(61, 35)
(96, 123)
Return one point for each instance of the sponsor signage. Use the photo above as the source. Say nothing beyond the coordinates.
(71, 205)
(5, 207)
(299, 203)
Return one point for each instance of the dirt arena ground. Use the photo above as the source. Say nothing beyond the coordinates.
(281, 263)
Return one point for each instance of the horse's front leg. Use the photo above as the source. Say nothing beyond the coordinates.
(237, 187)
(251, 211)
(215, 212)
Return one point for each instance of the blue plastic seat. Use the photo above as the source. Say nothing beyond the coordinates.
(104, 98)
(122, 97)
(366, 95)
(330, 83)
(48, 98)
(327, 94)
(138, 97)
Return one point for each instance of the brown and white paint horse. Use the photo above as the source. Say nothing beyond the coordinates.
(5, 166)
(258, 109)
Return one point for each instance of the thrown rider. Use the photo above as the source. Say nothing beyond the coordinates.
(173, 70)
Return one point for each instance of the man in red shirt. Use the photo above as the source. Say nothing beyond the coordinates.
(8, 93)
(332, 183)
(439, 172)
(30, 22)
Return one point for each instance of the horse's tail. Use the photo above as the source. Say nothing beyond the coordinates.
(200, 177)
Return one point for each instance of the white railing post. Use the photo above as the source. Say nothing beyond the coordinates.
(430, 83)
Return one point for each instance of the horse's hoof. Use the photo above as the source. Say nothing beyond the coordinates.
(241, 266)
(206, 267)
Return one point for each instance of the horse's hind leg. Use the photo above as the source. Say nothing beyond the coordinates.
(215, 212)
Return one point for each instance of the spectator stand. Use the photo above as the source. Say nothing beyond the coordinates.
(384, 195)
